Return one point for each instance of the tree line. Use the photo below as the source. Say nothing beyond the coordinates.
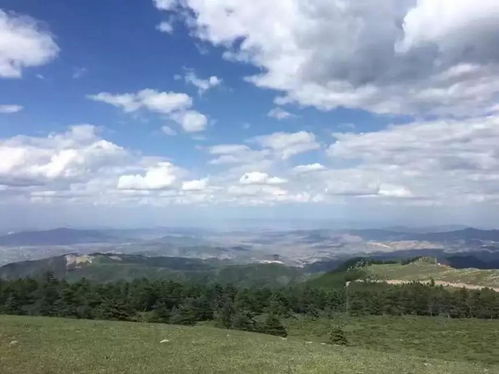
(373, 298)
(250, 309)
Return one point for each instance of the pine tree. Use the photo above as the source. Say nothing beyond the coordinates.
(182, 316)
(243, 320)
(12, 305)
(337, 336)
(273, 326)
(161, 313)
(224, 315)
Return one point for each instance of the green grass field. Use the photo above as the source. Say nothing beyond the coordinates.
(472, 340)
(425, 271)
(53, 345)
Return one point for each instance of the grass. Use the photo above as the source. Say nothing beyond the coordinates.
(53, 345)
(470, 340)
(425, 271)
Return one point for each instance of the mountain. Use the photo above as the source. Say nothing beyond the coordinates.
(444, 236)
(112, 267)
(421, 269)
(466, 234)
(60, 236)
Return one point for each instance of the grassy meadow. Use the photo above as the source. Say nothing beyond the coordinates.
(473, 340)
(52, 345)
(425, 271)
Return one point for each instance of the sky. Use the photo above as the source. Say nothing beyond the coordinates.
(191, 112)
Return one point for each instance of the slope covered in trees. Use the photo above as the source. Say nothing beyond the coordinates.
(101, 267)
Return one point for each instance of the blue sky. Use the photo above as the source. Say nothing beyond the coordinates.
(379, 112)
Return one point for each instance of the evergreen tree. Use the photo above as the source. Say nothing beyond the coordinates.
(242, 320)
(12, 305)
(224, 315)
(337, 336)
(161, 313)
(183, 315)
(273, 326)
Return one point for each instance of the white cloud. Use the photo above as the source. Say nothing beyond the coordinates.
(195, 185)
(262, 192)
(202, 85)
(190, 120)
(445, 161)
(238, 154)
(256, 177)
(309, 168)
(23, 43)
(279, 113)
(453, 26)
(160, 176)
(70, 156)
(127, 102)
(286, 145)
(167, 130)
(155, 101)
(172, 104)
(8, 109)
(391, 190)
(165, 4)
(165, 26)
(441, 54)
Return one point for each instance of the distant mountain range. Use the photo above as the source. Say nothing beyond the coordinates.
(67, 236)
(60, 236)
(446, 236)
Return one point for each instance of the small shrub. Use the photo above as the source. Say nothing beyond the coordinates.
(337, 336)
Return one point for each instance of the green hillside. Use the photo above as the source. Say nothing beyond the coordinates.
(424, 270)
(113, 267)
(52, 345)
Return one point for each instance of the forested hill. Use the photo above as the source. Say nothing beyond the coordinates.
(422, 269)
(113, 267)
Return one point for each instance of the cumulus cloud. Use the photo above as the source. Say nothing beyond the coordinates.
(444, 160)
(279, 113)
(441, 54)
(155, 101)
(202, 85)
(238, 154)
(165, 4)
(286, 145)
(176, 106)
(257, 177)
(23, 43)
(195, 185)
(8, 109)
(78, 166)
(157, 177)
(191, 120)
(70, 156)
(165, 26)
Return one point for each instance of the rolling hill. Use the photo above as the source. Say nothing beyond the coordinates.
(111, 267)
(421, 269)
(426, 270)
